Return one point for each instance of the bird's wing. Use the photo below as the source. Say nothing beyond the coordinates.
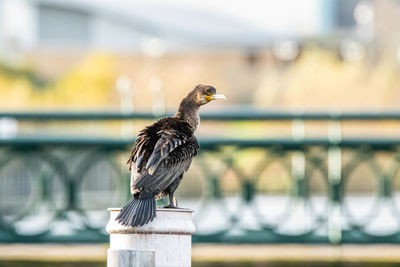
(142, 150)
(171, 166)
(168, 141)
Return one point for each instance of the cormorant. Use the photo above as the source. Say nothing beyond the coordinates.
(162, 153)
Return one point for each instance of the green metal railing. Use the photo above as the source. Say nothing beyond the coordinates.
(330, 189)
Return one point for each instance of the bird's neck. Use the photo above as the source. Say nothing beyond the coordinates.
(189, 112)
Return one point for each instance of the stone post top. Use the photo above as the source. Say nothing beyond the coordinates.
(157, 210)
(167, 221)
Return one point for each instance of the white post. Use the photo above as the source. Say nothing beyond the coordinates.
(131, 258)
(169, 235)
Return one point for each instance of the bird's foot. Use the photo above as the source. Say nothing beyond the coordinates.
(173, 204)
(171, 207)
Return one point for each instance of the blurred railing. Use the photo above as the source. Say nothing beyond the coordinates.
(332, 189)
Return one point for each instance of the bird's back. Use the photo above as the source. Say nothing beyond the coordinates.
(166, 146)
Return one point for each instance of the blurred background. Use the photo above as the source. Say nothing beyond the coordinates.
(305, 150)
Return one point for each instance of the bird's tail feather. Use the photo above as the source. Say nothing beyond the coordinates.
(137, 212)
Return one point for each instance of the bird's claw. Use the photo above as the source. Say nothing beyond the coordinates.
(171, 207)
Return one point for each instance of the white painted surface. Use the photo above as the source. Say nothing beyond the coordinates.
(131, 258)
(169, 234)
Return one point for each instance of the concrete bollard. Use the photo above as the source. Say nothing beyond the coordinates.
(169, 235)
(131, 258)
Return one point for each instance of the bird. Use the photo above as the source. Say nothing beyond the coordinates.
(161, 155)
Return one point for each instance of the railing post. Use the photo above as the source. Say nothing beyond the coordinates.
(335, 180)
(335, 183)
(298, 162)
(169, 235)
(126, 92)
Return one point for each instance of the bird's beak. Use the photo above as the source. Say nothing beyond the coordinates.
(215, 97)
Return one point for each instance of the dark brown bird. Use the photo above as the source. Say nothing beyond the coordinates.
(162, 153)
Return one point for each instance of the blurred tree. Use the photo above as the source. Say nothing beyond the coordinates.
(89, 84)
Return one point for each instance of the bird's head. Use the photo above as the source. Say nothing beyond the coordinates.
(203, 94)
(200, 95)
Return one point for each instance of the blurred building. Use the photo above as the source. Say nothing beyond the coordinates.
(133, 25)
(387, 18)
